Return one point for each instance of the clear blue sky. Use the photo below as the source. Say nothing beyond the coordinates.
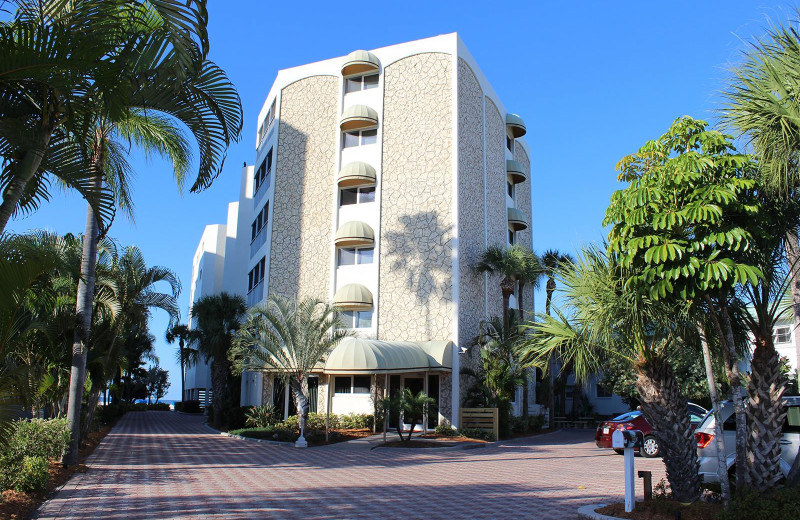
(592, 80)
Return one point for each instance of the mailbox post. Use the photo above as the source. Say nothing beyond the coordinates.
(627, 440)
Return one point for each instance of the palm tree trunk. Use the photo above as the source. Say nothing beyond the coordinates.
(183, 371)
(551, 401)
(83, 309)
(738, 394)
(716, 406)
(525, 383)
(219, 384)
(765, 417)
(664, 406)
(91, 409)
(27, 170)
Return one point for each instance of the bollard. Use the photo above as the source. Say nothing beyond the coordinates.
(628, 440)
(647, 482)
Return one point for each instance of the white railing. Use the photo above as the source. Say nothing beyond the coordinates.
(258, 241)
(256, 294)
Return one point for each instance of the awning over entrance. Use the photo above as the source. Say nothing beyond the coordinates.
(371, 356)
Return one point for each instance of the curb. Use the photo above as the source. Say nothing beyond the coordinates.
(590, 513)
(286, 444)
(464, 446)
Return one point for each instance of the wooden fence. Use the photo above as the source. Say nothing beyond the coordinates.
(485, 419)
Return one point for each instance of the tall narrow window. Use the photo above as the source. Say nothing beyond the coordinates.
(262, 175)
(510, 143)
(511, 237)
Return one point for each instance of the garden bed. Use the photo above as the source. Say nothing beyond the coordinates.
(313, 437)
(420, 443)
(18, 506)
(664, 510)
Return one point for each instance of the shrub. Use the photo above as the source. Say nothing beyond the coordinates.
(355, 421)
(316, 421)
(475, 433)
(31, 475)
(272, 433)
(446, 430)
(44, 438)
(535, 423)
(261, 416)
(159, 407)
(749, 505)
(109, 413)
(135, 407)
(188, 407)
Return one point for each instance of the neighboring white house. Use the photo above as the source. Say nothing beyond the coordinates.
(379, 179)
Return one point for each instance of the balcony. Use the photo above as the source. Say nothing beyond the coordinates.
(258, 241)
(262, 188)
(256, 294)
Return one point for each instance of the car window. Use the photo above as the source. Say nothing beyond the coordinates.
(627, 416)
(730, 424)
(695, 419)
(792, 423)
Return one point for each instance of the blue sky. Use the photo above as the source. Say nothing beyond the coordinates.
(593, 81)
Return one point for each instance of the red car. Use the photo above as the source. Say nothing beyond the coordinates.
(635, 421)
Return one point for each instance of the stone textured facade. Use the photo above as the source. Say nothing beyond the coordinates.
(497, 215)
(523, 192)
(416, 231)
(471, 302)
(300, 260)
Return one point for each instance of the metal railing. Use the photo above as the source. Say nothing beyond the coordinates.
(258, 241)
(256, 294)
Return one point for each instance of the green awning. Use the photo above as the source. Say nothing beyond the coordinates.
(371, 356)
(516, 220)
(354, 233)
(515, 125)
(515, 171)
(356, 174)
(353, 297)
(359, 63)
(358, 117)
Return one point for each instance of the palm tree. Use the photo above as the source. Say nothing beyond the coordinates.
(196, 94)
(290, 338)
(551, 261)
(603, 316)
(761, 107)
(219, 317)
(181, 334)
(506, 262)
(530, 273)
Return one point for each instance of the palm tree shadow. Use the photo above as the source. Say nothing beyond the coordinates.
(421, 251)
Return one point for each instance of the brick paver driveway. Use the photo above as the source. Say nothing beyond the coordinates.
(157, 465)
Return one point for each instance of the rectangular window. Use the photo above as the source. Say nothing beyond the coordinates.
(256, 275)
(267, 123)
(511, 237)
(371, 81)
(341, 384)
(262, 175)
(356, 319)
(260, 222)
(360, 83)
(510, 143)
(357, 196)
(364, 256)
(361, 384)
(359, 138)
(510, 189)
(783, 335)
(347, 256)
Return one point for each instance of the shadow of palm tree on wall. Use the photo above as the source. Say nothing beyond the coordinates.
(420, 252)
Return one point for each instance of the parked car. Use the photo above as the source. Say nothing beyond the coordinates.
(707, 447)
(635, 421)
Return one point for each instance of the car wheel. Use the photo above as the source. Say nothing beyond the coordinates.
(650, 447)
(619, 451)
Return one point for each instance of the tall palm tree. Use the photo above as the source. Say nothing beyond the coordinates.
(530, 274)
(761, 106)
(219, 317)
(181, 334)
(196, 94)
(507, 263)
(552, 260)
(290, 338)
(603, 316)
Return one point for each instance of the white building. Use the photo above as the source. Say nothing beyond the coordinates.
(380, 177)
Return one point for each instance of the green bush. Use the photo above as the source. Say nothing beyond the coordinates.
(316, 421)
(188, 407)
(235, 418)
(159, 407)
(749, 505)
(475, 433)
(356, 421)
(535, 423)
(135, 407)
(44, 438)
(109, 413)
(31, 474)
(446, 430)
(272, 433)
(261, 416)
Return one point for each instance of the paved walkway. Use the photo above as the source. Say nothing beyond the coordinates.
(158, 465)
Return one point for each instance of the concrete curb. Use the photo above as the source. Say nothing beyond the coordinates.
(463, 446)
(590, 513)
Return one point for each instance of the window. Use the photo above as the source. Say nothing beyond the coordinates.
(359, 138)
(361, 83)
(601, 391)
(261, 177)
(782, 335)
(510, 143)
(353, 256)
(260, 222)
(268, 119)
(341, 384)
(510, 189)
(792, 422)
(357, 319)
(361, 384)
(256, 275)
(511, 237)
(357, 196)
(352, 384)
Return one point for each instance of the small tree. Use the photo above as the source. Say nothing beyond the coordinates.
(412, 407)
(291, 339)
(157, 382)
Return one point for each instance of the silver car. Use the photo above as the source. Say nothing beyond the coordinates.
(707, 446)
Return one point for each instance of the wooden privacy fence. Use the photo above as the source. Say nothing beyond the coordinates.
(485, 419)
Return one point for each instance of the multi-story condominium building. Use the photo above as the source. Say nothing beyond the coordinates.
(379, 178)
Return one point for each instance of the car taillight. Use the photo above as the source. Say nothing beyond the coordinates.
(703, 439)
(625, 426)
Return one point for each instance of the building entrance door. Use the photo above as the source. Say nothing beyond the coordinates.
(416, 385)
